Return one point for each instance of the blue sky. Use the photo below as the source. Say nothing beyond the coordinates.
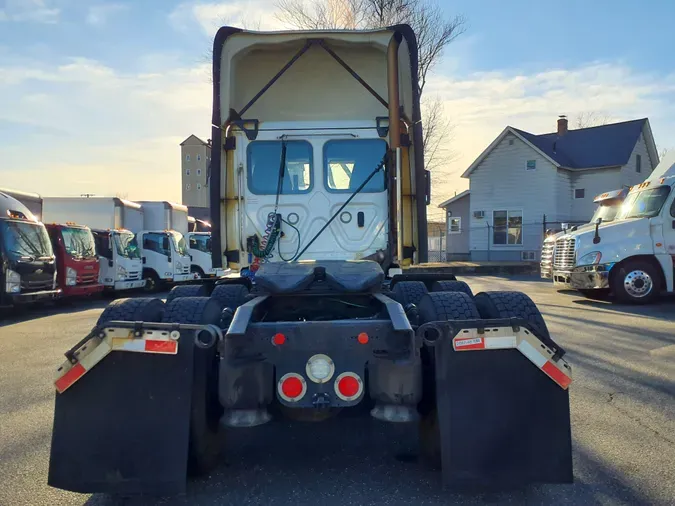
(96, 95)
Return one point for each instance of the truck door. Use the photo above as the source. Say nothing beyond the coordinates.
(321, 173)
(669, 229)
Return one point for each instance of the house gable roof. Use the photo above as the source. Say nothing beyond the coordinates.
(454, 199)
(193, 140)
(585, 148)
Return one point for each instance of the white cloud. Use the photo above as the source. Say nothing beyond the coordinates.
(29, 11)
(254, 15)
(98, 15)
(481, 105)
(92, 129)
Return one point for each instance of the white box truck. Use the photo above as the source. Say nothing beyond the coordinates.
(634, 255)
(112, 221)
(199, 244)
(165, 253)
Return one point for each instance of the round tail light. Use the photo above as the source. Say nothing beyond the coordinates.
(292, 387)
(348, 386)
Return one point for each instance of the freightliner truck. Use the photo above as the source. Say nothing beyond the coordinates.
(317, 187)
(632, 257)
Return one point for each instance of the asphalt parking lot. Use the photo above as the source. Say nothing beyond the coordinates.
(622, 402)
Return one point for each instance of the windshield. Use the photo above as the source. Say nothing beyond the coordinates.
(201, 243)
(25, 240)
(644, 204)
(126, 245)
(78, 242)
(180, 244)
(606, 211)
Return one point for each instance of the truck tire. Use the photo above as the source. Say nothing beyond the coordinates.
(152, 281)
(231, 296)
(206, 439)
(187, 291)
(143, 309)
(409, 292)
(511, 305)
(452, 286)
(437, 306)
(636, 282)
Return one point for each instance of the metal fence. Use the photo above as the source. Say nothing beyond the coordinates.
(517, 243)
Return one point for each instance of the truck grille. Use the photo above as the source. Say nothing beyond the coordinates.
(42, 284)
(563, 255)
(133, 275)
(87, 279)
(547, 258)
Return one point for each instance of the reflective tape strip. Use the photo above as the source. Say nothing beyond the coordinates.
(70, 377)
(155, 346)
(127, 344)
(144, 345)
(532, 354)
(556, 374)
(496, 343)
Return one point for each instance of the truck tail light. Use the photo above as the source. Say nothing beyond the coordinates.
(292, 387)
(348, 386)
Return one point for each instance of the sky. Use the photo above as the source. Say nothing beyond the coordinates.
(95, 96)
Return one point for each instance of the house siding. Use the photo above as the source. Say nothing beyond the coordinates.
(457, 245)
(502, 182)
(593, 182)
(563, 197)
(629, 175)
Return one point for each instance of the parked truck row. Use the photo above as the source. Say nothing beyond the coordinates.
(87, 245)
(627, 250)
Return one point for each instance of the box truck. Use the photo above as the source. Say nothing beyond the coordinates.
(633, 256)
(76, 258)
(110, 220)
(165, 253)
(172, 216)
(27, 262)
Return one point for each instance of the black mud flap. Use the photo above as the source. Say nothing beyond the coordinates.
(124, 426)
(503, 422)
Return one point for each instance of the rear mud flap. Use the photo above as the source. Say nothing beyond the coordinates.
(124, 427)
(503, 422)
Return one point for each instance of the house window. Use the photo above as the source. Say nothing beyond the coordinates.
(510, 142)
(579, 193)
(188, 186)
(199, 172)
(187, 158)
(454, 225)
(531, 164)
(638, 163)
(507, 227)
(187, 172)
(199, 158)
(199, 186)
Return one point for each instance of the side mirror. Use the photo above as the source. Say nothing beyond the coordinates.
(165, 244)
(598, 221)
(110, 263)
(190, 257)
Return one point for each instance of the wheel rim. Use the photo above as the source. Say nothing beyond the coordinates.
(149, 284)
(638, 284)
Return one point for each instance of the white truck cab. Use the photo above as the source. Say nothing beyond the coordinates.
(199, 247)
(119, 259)
(634, 255)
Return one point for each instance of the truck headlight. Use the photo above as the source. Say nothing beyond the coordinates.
(71, 276)
(13, 282)
(592, 258)
(179, 266)
(122, 273)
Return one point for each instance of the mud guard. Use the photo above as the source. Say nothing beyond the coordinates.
(124, 427)
(503, 422)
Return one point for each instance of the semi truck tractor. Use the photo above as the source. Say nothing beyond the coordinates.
(27, 262)
(32, 201)
(163, 238)
(77, 261)
(317, 179)
(633, 256)
(109, 218)
(609, 204)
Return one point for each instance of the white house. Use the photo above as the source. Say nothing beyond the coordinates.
(522, 180)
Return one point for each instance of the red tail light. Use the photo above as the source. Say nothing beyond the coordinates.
(292, 387)
(348, 386)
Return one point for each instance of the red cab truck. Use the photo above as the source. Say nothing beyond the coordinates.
(76, 259)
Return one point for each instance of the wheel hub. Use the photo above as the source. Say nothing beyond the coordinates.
(638, 284)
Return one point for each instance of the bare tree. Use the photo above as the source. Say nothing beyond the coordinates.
(663, 152)
(588, 119)
(437, 130)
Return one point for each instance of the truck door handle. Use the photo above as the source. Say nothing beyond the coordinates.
(143, 259)
(360, 219)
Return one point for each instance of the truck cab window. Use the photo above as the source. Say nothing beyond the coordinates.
(102, 241)
(263, 159)
(156, 243)
(349, 162)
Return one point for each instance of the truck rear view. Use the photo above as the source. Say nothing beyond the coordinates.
(319, 189)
